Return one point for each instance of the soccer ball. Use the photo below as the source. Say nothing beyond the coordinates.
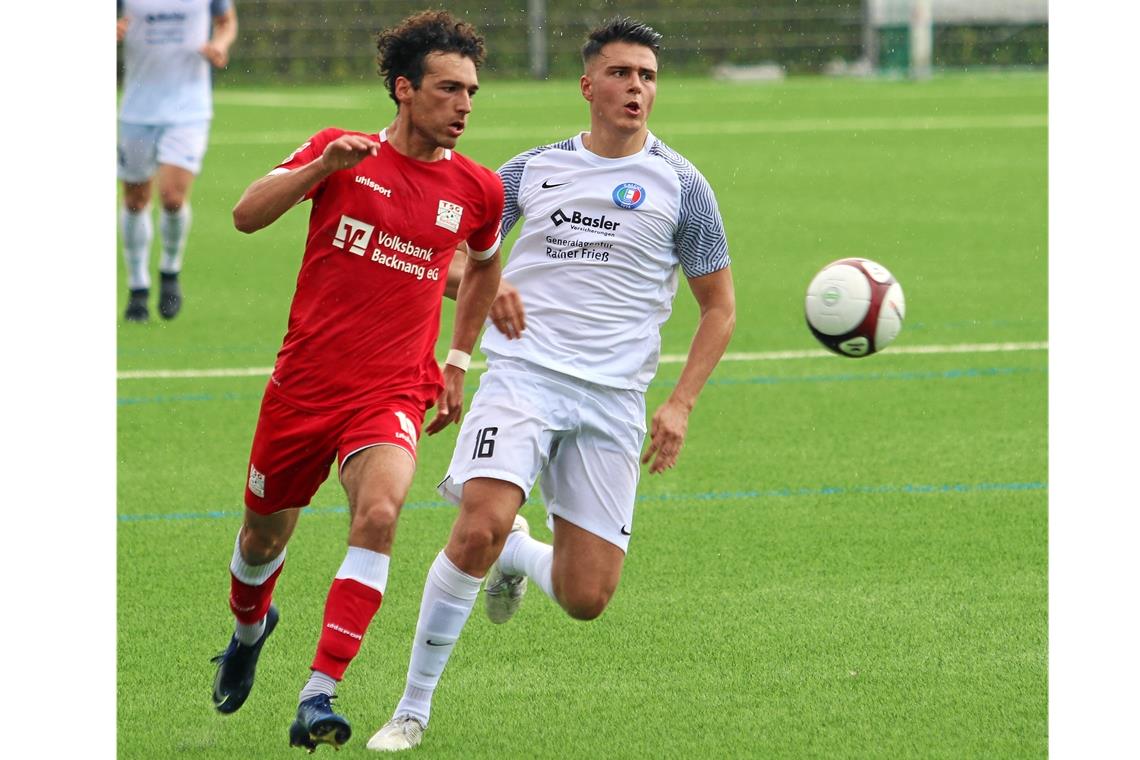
(854, 307)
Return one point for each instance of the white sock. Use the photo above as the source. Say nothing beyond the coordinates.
(449, 597)
(137, 233)
(523, 555)
(174, 227)
(365, 566)
(319, 683)
(253, 575)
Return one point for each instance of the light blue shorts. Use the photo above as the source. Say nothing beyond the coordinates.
(142, 147)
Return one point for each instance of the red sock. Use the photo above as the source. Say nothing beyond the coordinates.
(250, 603)
(349, 609)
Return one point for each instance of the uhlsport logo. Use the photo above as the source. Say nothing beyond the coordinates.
(629, 195)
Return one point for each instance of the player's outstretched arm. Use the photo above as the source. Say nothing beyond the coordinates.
(477, 290)
(717, 300)
(217, 49)
(264, 201)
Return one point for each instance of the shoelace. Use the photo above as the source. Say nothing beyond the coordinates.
(409, 725)
(324, 701)
(508, 584)
(230, 649)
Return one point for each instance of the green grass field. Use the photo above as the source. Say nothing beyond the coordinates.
(850, 559)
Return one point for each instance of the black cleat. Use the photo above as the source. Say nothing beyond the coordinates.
(169, 296)
(236, 666)
(316, 723)
(137, 310)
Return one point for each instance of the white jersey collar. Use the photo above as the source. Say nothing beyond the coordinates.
(384, 138)
(594, 158)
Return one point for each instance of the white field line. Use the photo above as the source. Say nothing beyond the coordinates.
(965, 348)
(711, 128)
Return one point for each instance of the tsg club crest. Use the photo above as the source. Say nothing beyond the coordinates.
(448, 216)
(629, 195)
(256, 482)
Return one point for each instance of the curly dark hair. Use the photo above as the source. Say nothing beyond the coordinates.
(620, 29)
(403, 48)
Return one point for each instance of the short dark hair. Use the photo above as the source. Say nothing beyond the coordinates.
(620, 29)
(401, 49)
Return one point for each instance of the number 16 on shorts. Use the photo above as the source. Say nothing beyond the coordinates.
(485, 443)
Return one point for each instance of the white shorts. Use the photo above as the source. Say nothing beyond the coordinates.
(583, 439)
(142, 147)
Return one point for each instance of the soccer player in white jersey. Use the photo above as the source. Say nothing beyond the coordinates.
(164, 123)
(609, 217)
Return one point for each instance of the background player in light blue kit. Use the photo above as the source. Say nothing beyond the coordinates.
(164, 124)
(610, 218)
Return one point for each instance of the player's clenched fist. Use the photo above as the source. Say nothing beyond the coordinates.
(216, 54)
(347, 151)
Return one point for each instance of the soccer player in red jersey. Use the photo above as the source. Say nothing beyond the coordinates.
(357, 371)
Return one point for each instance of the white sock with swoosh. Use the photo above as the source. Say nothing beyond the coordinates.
(449, 596)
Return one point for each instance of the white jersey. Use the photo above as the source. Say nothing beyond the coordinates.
(596, 259)
(166, 80)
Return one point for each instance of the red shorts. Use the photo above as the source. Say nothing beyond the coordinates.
(294, 448)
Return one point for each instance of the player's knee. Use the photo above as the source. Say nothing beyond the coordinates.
(587, 604)
(136, 198)
(172, 202)
(376, 519)
(172, 197)
(261, 548)
(476, 543)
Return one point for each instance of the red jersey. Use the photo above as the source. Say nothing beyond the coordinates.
(365, 315)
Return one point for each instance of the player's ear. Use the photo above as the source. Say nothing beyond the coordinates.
(587, 88)
(404, 89)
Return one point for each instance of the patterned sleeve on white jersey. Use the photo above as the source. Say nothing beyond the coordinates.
(511, 173)
(701, 245)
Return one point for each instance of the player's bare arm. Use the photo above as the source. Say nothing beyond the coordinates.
(121, 27)
(717, 302)
(217, 50)
(264, 201)
(477, 290)
(507, 312)
(455, 272)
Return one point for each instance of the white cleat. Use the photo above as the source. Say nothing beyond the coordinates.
(504, 593)
(400, 733)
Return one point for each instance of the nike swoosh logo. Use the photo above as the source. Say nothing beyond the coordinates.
(625, 532)
(431, 643)
(547, 185)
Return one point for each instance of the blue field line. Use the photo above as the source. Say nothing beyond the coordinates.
(714, 496)
(950, 374)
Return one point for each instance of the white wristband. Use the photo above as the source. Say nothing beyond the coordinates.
(457, 358)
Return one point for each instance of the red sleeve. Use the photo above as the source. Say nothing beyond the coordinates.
(310, 150)
(485, 240)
